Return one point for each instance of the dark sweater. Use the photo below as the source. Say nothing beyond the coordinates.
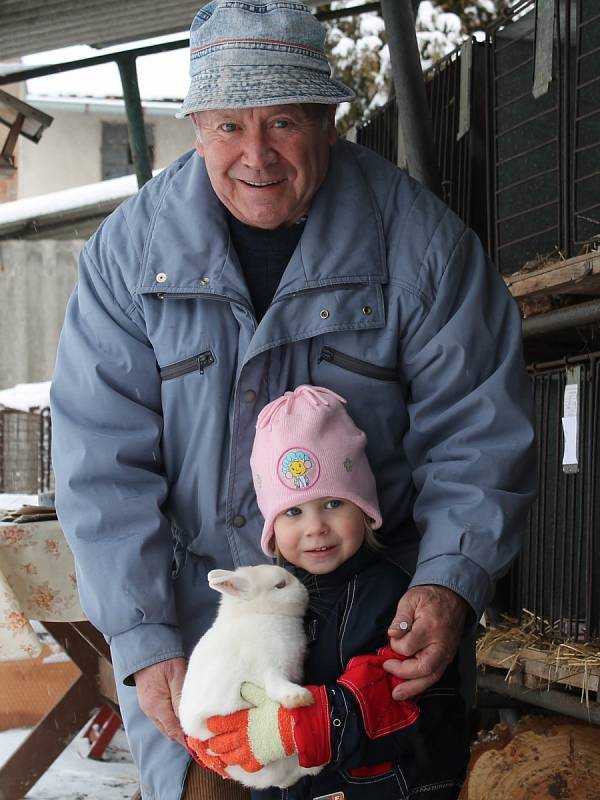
(263, 256)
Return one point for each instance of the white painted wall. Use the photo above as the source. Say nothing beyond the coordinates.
(36, 279)
(172, 137)
(69, 153)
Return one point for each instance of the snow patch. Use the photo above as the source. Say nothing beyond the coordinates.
(79, 197)
(25, 396)
(12, 502)
(74, 777)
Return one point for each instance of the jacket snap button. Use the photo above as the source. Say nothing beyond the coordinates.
(204, 281)
(239, 521)
(161, 277)
(324, 313)
(249, 396)
(337, 723)
(367, 310)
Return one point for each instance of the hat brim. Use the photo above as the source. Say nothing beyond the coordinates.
(254, 86)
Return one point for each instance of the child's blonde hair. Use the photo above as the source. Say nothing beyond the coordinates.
(372, 541)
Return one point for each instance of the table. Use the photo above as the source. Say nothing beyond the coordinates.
(37, 582)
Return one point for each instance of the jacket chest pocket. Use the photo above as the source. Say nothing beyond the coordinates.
(331, 355)
(198, 363)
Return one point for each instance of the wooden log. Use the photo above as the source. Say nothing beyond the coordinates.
(545, 758)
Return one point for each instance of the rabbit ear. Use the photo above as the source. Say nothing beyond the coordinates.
(227, 582)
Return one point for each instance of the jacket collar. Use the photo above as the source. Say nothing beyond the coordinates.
(189, 239)
(324, 589)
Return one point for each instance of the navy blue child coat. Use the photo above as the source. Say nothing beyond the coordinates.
(350, 612)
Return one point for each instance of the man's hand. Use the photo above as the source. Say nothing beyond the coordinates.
(427, 629)
(159, 692)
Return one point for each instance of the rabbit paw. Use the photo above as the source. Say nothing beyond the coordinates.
(295, 697)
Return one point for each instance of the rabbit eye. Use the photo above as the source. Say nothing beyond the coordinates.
(281, 584)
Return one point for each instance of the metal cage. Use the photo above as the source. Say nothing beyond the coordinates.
(544, 134)
(25, 441)
(458, 123)
(380, 132)
(517, 133)
(557, 576)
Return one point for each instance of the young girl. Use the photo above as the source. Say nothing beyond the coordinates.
(317, 493)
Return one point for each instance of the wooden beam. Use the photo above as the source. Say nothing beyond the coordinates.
(578, 275)
(48, 739)
(523, 661)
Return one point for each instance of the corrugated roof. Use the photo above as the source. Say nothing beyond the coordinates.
(33, 26)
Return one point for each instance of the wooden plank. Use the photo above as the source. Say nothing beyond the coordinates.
(79, 650)
(534, 663)
(88, 649)
(47, 740)
(580, 275)
(94, 637)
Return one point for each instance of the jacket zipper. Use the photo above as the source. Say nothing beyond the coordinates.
(313, 289)
(194, 364)
(357, 365)
(201, 296)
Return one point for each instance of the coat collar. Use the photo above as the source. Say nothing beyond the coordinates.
(324, 589)
(189, 240)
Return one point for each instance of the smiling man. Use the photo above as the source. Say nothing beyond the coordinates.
(266, 164)
(274, 255)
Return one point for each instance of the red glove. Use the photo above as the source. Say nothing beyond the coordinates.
(372, 687)
(256, 736)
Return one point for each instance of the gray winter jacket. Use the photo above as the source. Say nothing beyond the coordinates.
(162, 370)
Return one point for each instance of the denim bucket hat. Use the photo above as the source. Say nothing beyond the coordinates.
(248, 53)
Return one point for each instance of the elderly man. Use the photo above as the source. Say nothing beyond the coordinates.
(272, 256)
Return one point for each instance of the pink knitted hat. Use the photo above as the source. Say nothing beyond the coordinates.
(306, 447)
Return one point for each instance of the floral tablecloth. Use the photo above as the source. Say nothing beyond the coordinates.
(37, 582)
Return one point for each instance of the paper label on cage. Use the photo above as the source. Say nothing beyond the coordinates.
(570, 401)
(570, 431)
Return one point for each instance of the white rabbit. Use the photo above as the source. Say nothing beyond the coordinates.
(258, 636)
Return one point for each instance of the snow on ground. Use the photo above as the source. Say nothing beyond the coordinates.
(12, 502)
(75, 777)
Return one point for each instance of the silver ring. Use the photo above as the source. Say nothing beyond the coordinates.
(405, 626)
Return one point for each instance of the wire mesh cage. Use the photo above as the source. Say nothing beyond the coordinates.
(458, 115)
(25, 442)
(459, 143)
(517, 131)
(380, 131)
(557, 576)
(586, 140)
(526, 139)
(545, 131)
